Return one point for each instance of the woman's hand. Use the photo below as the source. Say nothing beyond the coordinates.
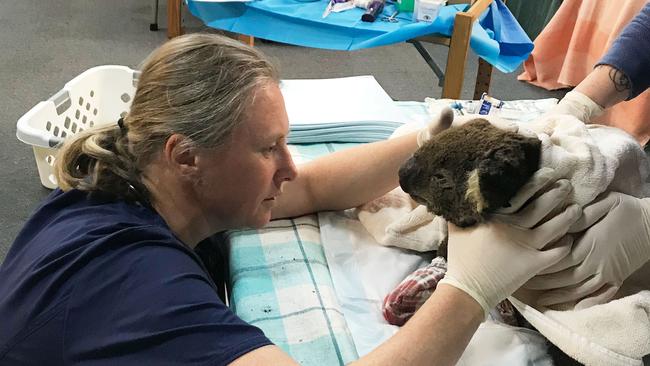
(612, 240)
(439, 123)
(492, 260)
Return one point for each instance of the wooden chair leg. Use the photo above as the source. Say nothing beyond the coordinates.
(174, 18)
(457, 56)
(483, 78)
(246, 39)
(154, 26)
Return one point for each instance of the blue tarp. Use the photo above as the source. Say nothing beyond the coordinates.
(496, 37)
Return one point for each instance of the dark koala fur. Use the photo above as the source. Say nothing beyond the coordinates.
(438, 174)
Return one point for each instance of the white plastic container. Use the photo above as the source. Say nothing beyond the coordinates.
(98, 96)
(427, 10)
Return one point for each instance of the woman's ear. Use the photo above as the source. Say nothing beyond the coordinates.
(179, 155)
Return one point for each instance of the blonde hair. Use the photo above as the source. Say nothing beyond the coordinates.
(197, 85)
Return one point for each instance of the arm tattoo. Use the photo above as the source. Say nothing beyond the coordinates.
(620, 80)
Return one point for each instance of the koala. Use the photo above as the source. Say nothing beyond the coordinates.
(464, 173)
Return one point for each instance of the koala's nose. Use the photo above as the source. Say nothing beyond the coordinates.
(408, 173)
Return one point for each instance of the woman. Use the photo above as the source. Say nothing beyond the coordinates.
(104, 272)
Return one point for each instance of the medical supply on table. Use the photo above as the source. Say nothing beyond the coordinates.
(338, 6)
(427, 10)
(489, 105)
(374, 9)
(405, 6)
(363, 4)
(391, 18)
(457, 106)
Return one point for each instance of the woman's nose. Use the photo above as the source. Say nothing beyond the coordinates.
(291, 170)
(287, 170)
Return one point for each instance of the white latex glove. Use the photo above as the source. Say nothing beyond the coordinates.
(439, 123)
(539, 182)
(492, 260)
(603, 256)
(578, 105)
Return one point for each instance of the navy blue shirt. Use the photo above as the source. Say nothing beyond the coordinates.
(94, 281)
(630, 52)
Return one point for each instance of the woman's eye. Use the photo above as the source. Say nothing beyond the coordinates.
(270, 149)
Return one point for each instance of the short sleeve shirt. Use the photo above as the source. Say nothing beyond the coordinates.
(94, 281)
(630, 52)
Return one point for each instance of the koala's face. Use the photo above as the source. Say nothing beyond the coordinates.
(464, 173)
(438, 189)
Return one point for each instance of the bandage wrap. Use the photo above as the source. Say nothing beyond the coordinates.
(401, 303)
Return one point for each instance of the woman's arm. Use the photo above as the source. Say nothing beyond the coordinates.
(345, 178)
(605, 85)
(627, 61)
(438, 333)
(620, 75)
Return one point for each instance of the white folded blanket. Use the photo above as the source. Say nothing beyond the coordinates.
(595, 159)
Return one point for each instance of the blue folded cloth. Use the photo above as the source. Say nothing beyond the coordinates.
(496, 37)
(341, 132)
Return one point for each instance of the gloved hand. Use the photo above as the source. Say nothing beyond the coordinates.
(603, 256)
(492, 260)
(439, 123)
(578, 105)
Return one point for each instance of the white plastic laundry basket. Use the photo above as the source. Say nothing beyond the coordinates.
(98, 96)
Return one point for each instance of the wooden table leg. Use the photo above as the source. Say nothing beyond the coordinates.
(458, 48)
(174, 18)
(246, 39)
(483, 78)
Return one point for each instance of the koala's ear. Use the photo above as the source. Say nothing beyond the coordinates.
(504, 169)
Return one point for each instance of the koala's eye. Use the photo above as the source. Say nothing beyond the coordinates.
(441, 180)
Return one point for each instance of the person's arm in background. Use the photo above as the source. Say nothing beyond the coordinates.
(622, 74)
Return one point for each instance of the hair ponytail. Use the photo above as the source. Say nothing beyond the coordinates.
(98, 159)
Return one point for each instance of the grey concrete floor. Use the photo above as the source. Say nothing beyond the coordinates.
(45, 44)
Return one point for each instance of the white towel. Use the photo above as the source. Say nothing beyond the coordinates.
(594, 158)
(397, 221)
(616, 333)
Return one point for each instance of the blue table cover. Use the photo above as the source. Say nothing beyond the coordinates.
(497, 37)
